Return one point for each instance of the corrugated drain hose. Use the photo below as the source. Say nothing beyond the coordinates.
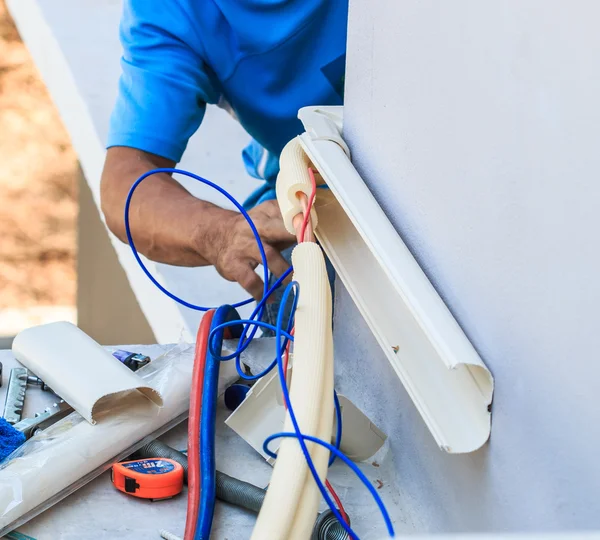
(158, 449)
(243, 494)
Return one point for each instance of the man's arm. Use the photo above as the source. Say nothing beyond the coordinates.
(172, 226)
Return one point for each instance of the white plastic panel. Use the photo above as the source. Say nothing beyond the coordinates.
(445, 377)
(78, 369)
(262, 413)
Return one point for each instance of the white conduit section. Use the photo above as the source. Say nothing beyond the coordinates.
(292, 499)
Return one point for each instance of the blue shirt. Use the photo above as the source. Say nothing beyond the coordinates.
(260, 59)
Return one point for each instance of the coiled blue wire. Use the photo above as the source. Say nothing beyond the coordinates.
(245, 340)
(228, 196)
(257, 313)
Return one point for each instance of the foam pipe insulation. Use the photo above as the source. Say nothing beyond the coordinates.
(292, 499)
(293, 178)
(311, 496)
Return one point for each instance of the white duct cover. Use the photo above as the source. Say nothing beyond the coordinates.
(77, 368)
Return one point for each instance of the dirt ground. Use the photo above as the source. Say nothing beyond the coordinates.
(38, 171)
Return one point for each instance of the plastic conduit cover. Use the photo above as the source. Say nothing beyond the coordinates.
(440, 369)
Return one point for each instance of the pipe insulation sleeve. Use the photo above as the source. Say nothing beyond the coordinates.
(313, 347)
(311, 496)
(293, 178)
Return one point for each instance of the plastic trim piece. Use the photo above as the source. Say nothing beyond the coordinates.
(441, 371)
(262, 413)
(78, 369)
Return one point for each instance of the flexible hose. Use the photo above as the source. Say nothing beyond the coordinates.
(239, 493)
(242, 494)
(208, 421)
(158, 449)
(194, 423)
(327, 527)
(309, 502)
(228, 489)
(293, 497)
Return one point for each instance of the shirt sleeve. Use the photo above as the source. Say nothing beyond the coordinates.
(165, 84)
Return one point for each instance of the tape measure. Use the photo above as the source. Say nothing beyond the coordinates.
(155, 478)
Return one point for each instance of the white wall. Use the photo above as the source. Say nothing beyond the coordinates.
(477, 126)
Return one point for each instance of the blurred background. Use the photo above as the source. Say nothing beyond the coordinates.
(57, 261)
(38, 198)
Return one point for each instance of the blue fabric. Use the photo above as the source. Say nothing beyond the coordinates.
(260, 59)
(10, 439)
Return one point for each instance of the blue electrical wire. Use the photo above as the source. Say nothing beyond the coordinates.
(170, 170)
(243, 344)
(215, 339)
(258, 310)
(288, 337)
(338, 431)
(229, 324)
(347, 461)
(249, 322)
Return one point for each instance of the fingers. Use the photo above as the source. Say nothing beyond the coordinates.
(239, 254)
(245, 275)
(277, 264)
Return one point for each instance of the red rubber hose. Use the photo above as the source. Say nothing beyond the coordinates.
(194, 425)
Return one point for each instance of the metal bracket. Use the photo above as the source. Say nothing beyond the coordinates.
(15, 395)
(55, 412)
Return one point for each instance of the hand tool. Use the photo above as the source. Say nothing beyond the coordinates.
(30, 426)
(153, 478)
(133, 361)
(15, 395)
(32, 379)
(15, 399)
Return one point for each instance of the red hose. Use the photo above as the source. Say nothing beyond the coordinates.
(194, 425)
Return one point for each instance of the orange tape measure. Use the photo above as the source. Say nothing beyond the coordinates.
(154, 478)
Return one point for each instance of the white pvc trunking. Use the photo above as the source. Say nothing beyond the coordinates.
(441, 371)
(79, 370)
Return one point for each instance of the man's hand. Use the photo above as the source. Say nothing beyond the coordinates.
(172, 226)
(233, 248)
